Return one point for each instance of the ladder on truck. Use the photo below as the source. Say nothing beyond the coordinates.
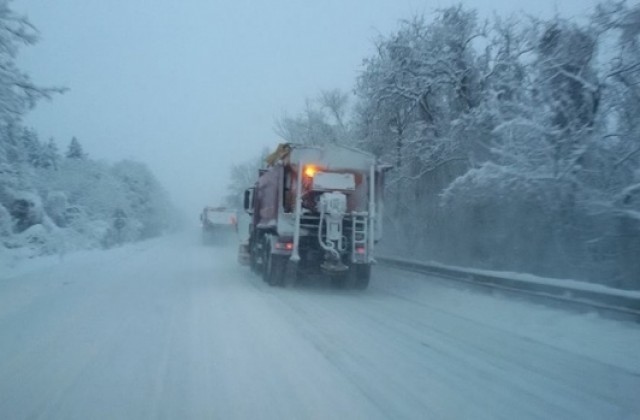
(359, 232)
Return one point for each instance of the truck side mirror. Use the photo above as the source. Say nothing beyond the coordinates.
(248, 200)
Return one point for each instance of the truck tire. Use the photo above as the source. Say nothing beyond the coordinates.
(361, 275)
(253, 259)
(274, 267)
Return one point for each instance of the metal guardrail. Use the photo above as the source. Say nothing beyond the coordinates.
(612, 300)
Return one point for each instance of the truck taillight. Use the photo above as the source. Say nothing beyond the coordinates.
(287, 246)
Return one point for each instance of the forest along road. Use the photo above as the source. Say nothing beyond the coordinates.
(171, 329)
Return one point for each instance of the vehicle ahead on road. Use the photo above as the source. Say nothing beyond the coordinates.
(218, 224)
(315, 210)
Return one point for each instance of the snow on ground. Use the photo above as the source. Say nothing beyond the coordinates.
(590, 335)
(530, 278)
(14, 264)
(171, 329)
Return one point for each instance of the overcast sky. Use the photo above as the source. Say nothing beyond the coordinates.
(192, 86)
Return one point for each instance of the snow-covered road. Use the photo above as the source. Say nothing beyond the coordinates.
(171, 329)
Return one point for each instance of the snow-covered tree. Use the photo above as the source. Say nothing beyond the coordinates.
(75, 150)
(46, 200)
(324, 121)
(243, 176)
(50, 155)
(147, 203)
(17, 92)
(418, 100)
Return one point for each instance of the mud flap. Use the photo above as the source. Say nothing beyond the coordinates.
(290, 274)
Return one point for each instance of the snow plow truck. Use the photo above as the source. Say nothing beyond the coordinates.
(315, 210)
(217, 224)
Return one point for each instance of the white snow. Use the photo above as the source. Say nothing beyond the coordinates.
(608, 341)
(171, 329)
(530, 278)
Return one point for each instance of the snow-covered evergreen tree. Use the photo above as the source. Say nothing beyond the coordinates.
(50, 155)
(74, 150)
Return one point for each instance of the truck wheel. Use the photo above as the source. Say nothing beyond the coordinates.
(274, 272)
(361, 275)
(253, 263)
(273, 268)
